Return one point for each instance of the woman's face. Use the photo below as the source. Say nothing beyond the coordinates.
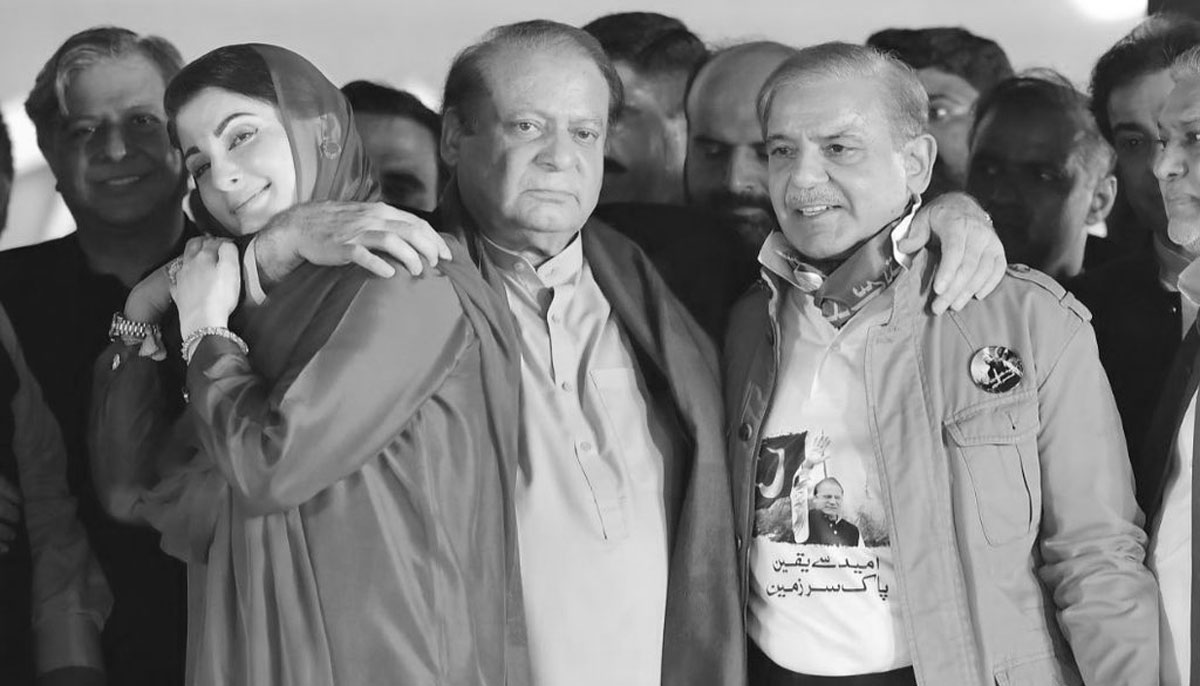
(236, 149)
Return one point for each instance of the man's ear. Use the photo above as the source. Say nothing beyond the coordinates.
(453, 130)
(919, 156)
(1103, 197)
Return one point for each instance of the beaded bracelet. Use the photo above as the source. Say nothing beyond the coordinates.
(193, 339)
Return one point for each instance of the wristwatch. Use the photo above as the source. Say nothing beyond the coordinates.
(129, 330)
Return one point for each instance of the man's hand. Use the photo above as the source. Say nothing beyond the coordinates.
(150, 298)
(337, 233)
(10, 513)
(973, 259)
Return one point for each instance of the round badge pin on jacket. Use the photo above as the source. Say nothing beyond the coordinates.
(996, 369)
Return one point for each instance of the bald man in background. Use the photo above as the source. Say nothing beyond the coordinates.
(726, 169)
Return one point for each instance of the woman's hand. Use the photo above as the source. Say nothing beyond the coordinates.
(207, 284)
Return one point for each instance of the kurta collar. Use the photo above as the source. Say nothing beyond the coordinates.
(559, 270)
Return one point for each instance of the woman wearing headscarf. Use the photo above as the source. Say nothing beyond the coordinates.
(340, 481)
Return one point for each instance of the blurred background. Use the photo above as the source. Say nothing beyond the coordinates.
(410, 44)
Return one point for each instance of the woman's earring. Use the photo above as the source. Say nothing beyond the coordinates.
(330, 148)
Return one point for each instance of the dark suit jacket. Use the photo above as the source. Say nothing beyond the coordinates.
(821, 531)
(1138, 330)
(1181, 384)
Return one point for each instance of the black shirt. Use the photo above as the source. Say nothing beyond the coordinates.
(61, 311)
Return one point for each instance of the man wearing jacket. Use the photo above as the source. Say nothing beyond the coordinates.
(1168, 477)
(626, 544)
(962, 442)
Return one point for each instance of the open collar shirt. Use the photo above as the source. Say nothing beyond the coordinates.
(1169, 554)
(590, 509)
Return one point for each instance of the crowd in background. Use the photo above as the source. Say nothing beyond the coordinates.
(641, 362)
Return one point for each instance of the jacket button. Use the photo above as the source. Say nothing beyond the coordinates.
(744, 431)
(738, 541)
(770, 337)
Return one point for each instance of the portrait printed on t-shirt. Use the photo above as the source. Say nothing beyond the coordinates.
(799, 500)
(819, 517)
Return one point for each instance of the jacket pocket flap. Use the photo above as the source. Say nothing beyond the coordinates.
(1002, 421)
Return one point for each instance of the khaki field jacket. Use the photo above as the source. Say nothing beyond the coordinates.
(1017, 541)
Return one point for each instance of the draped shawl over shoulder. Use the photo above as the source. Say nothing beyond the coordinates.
(343, 495)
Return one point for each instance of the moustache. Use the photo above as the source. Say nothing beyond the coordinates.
(735, 200)
(798, 200)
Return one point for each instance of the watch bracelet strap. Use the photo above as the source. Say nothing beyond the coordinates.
(120, 327)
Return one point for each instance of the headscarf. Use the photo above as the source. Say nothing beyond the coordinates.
(326, 148)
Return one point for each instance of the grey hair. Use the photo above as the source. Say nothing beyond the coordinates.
(1187, 65)
(466, 83)
(46, 102)
(908, 104)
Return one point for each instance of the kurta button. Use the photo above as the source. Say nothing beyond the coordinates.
(744, 431)
(770, 337)
(738, 541)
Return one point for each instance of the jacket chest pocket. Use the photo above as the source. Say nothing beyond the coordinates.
(997, 442)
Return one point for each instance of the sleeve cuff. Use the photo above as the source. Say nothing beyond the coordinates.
(214, 357)
(254, 293)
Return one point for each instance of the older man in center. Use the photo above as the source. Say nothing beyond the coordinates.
(623, 505)
(622, 498)
(961, 442)
(623, 508)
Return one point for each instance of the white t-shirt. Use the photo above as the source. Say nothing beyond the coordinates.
(823, 600)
